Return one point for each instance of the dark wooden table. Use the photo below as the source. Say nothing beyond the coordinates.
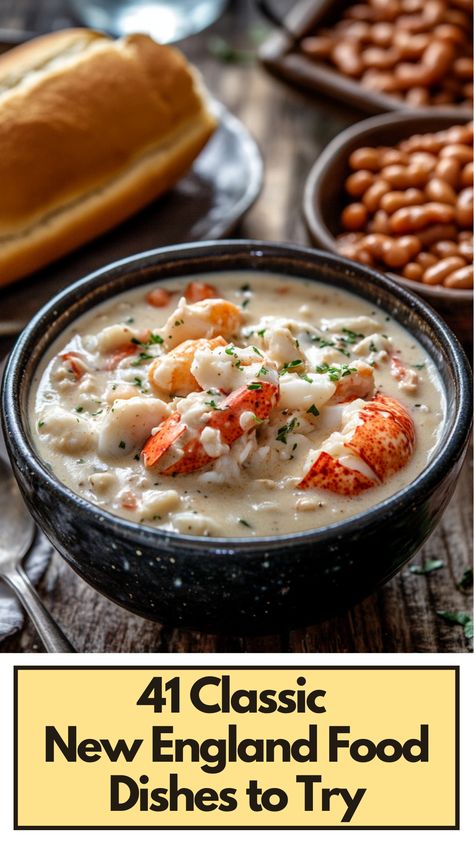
(291, 129)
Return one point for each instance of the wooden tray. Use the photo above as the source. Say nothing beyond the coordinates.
(280, 55)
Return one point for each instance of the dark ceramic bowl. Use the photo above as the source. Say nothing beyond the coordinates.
(237, 584)
(325, 198)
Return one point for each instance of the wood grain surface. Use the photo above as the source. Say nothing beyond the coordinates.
(291, 129)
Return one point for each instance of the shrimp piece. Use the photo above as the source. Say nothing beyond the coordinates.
(172, 372)
(407, 378)
(356, 384)
(193, 454)
(377, 441)
(205, 319)
(74, 364)
(197, 291)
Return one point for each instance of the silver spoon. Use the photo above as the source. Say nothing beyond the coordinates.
(17, 531)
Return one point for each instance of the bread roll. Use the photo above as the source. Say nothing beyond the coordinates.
(91, 130)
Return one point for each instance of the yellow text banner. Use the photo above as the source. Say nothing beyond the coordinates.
(289, 747)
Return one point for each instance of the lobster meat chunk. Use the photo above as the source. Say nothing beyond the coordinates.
(247, 406)
(377, 441)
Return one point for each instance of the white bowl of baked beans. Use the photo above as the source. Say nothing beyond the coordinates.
(396, 192)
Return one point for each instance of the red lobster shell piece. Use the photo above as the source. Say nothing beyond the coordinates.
(258, 398)
(384, 441)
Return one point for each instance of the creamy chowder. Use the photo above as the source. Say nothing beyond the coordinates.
(236, 404)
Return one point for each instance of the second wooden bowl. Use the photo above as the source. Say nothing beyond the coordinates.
(325, 197)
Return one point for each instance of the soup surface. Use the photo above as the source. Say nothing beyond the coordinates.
(236, 404)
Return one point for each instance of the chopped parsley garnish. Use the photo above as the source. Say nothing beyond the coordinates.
(285, 431)
(419, 365)
(262, 371)
(245, 288)
(428, 566)
(212, 392)
(179, 322)
(459, 618)
(373, 348)
(245, 302)
(245, 523)
(156, 339)
(262, 332)
(212, 404)
(122, 445)
(79, 409)
(230, 350)
(137, 381)
(350, 336)
(254, 386)
(137, 457)
(97, 412)
(142, 357)
(313, 410)
(257, 351)
(291, 365)
(335, 372)
(466, 580)
(305, 377)
(129, 321)
(40, 423)
(323, 343)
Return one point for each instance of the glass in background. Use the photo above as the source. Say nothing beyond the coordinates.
(164, 20)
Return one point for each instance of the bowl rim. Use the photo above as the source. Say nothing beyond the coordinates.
(18, 442)
(336, 148)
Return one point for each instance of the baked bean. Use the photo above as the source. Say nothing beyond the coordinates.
(354, 216)
(461, 152)
(379, 58)
(448, 169)
(346, 56)
(464, 208)
(467, 175)
(359, 182)
(386, 10)
(396, 199)
(372, 196)
(449, 32)
(379, 223)
(445, 248)
(411, 47)
(393, 156)
(365, 256)
(461, 278)
(358, 31)
(425, 259)
(411, 243)
(375, 243)
(463, 68)
(394, 255)
(401, 177)
(440, 191)
(413, 271)
(382, 34)
(408, 220)
(466, 250)
(365, 158)
(376, 80)
(360, 12)
(465, 235)
(418, 97)
(317, 46)
(442, 269)
(437, 232)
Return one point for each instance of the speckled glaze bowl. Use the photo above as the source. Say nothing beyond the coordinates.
(244, 585)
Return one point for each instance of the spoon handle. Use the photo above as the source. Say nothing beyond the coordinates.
(51, 635)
